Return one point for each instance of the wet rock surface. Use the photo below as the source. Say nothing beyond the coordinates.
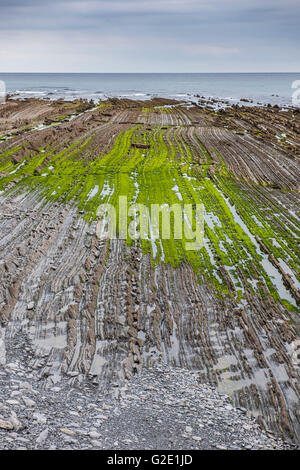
(161, 408)
(102, 311)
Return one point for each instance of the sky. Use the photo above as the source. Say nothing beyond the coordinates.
(149, 36)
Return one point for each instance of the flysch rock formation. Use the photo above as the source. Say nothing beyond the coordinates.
(101, 310)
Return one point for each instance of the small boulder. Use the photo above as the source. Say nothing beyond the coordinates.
(6, 425)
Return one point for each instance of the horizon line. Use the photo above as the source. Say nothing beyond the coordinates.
(147, 73)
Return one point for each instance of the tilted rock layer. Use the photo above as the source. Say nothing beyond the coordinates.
(107, 308)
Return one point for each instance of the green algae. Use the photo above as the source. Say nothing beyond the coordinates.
(164, 174)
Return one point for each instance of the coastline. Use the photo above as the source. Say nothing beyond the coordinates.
(229, 313)
(213, 101)
(257, 88)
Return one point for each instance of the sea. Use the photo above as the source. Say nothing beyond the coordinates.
(260, 88)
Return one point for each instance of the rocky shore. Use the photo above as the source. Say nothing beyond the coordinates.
(82, 316)
(162, 408)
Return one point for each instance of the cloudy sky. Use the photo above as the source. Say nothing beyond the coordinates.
(149, 36)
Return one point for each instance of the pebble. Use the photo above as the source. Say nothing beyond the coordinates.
(42, 437)
(69, 432)
(6, 425)
(94, 435)
(15, 421)
(96, 443)
(28, 402)
(12, 402)
(40, 418)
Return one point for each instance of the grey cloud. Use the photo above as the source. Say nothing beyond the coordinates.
(175, 34)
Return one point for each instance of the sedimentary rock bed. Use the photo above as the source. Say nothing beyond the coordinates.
(107, 308)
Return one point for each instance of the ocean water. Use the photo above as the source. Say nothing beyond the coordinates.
(274, 88)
